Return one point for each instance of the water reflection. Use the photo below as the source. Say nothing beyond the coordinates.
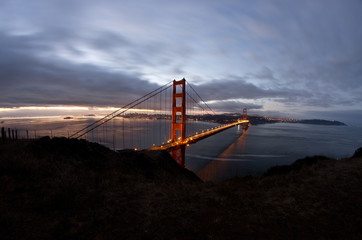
(222, 165)
(221, 156)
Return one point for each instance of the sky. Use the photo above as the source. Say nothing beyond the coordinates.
(288, 58)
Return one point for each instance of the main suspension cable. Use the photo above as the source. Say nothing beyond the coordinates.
(116, 114)
(200, 97)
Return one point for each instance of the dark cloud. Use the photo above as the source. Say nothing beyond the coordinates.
(239, 88)
(28, 79)
(265, 73)
(108, 41)
(305, 54)
(233, 106)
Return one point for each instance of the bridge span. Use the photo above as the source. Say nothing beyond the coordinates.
(160, 105)
(197, 137)
(178, 142)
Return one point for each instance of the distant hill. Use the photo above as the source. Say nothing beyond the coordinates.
(72, 189)
(321, 122)
(262, 120)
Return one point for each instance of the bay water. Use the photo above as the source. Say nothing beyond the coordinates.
(233, 153)
(228, 154)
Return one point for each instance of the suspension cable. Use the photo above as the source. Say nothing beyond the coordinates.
(200, 97)
(116, 114)
(132, 106)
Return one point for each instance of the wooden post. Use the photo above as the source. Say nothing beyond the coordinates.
(12, 134)
(9, 135)
(27, 134)
(3, 134)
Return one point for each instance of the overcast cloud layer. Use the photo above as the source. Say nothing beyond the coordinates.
(290, 58)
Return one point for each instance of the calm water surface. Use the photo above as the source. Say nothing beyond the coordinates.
(225, 155)
(232, 153)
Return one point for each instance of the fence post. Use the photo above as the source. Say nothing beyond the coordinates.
(27, 134)
(9, 134)
(16, 134)
(12, 134)
(3, 134)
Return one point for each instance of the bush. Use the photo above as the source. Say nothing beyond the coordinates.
(296, 166)
(357, 153)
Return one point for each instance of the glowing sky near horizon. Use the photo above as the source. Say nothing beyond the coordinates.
(297, 59)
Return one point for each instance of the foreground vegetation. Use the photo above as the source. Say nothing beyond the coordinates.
(72, 189)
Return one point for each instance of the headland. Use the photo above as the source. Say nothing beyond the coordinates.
(73, 189)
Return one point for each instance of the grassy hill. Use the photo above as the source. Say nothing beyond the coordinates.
(72, 189)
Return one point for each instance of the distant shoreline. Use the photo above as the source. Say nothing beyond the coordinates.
(263, 120)
(255, 120)
(217, 118)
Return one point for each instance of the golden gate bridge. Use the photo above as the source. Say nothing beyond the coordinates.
(168, 118)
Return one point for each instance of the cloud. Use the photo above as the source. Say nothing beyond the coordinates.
(265, 73)
(233, 106)
(237, 87)
(293, 55)
(29, 79)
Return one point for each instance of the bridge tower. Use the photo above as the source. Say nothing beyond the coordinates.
(245, 116)
(178, 125)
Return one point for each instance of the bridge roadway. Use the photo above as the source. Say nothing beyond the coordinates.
(197, 137)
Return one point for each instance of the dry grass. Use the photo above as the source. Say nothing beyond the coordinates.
(70, 189)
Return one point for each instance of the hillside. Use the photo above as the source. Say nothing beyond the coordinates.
(72, 189)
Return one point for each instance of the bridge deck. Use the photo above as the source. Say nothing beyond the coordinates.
(197, 137)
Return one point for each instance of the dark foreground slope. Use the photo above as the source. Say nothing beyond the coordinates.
(71, 189)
